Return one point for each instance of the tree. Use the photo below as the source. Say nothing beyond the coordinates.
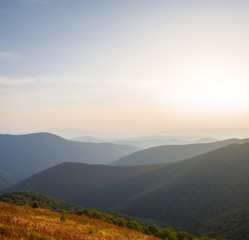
(134, 225)
(63, 216)
(35, 204)
(120, 222)
(153, 230)
(168, 234)
(185, 236)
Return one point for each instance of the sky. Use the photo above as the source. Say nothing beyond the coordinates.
(127, 66)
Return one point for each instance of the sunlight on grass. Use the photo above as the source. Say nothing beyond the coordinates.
(18, 222)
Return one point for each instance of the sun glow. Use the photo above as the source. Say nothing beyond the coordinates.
(211, 93)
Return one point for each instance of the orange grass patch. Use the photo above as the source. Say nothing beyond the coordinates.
(18, 222)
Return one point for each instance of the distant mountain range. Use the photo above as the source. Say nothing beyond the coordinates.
(89, 139)
(181, 134)
(146, 142)
(181, 194)
(152, 142)
(172, 153)
(24, 155)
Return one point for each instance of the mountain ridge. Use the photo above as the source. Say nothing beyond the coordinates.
(24, 155)
(170, 153)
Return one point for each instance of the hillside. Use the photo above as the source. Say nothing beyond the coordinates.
(233, 225)
(83, 184)
(5, 180)
(28, 198)
(24, 155)
(180, 194)
(45, 202)
(171, 153)
(19, 222)
(196, 189)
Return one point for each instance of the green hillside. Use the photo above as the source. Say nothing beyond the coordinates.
(24, 155)
(196, 189)
(28, 198)
(45, 202)
(170, 153)
(233, 225)
(84, 184)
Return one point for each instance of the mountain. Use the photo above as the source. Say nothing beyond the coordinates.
(153, 141)
(24, 155)
(205, 140)
(181, 194)
(89, 139)
(171, 153)
(195, 189)
(81, 184)
(148, 143)
(5, 180)
(143, 142)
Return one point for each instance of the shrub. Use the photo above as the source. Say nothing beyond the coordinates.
(63, 216)
(35, 204)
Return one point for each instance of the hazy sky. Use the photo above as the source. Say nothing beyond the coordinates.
(124, 65)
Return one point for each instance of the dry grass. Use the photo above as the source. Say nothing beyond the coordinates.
(18, 222)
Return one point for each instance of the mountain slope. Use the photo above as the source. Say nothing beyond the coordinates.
(171, 153)
(5, 180)
(24, 155)
(180, 194)
(81, 183)
(196, 189)
(28, 198)
(232, 225)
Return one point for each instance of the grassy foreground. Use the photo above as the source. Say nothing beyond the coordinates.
(19, 222)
